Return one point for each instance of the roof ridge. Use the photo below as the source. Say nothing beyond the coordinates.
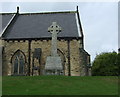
(40, 13)
(48, 12)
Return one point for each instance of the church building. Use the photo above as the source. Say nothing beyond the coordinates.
(26, 43)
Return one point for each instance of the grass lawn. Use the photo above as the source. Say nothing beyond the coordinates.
(60, 85)
(0, 86)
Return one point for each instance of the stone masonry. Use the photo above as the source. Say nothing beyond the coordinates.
(10, 47)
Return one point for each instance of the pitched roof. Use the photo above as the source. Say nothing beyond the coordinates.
(5, 19)
(35, 25)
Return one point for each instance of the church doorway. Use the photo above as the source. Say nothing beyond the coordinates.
(18, 63)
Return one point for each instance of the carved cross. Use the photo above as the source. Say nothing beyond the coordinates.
(54, 29)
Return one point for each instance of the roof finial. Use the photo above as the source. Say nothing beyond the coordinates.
(17, 9)
(77, 8)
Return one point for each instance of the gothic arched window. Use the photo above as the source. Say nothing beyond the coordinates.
(18, 63)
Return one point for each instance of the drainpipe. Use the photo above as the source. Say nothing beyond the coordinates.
(29, 56)
(69, 67)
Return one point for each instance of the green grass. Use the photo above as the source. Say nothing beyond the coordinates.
(60, 85)
(0, 86)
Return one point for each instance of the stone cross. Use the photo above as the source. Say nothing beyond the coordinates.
(54, 29)
(53, 64)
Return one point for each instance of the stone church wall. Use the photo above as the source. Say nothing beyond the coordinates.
(9, 49)
(46, 50)
(74, 58)
(62, 45)
(75, 63)
(45, 47)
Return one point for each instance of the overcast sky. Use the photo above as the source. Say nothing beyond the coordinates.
(99, 21)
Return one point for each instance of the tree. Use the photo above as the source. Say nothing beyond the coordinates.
(106, 64)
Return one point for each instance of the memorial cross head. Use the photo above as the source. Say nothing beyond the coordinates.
(54, 28)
